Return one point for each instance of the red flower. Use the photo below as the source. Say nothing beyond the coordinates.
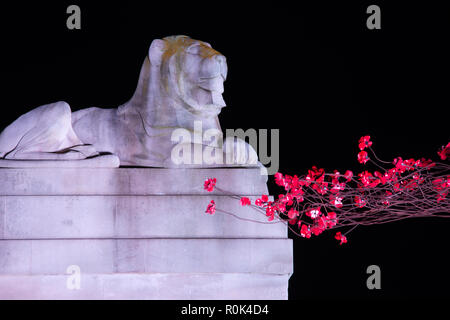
(363, 157)
(365, 178)
(336, 201)
(313, 173)
(322, 223)
(364, 142)
(321, 187)
(281, 207)
(336, 185)
(386, 200)
(210, 184)
(279, 180)
(298, 194)
(348, 175)
(296, 183)
(313, 213)
(341, 237)
(331, 219)
(211, 208)
(292, 213)
(360, 202)
(335, 177)
(245, 201)
(424, 163)
(270, 212)
(316, 230)
(305, 232)
(382, 177)
(264, 198)
(444, 153)
(400, 165)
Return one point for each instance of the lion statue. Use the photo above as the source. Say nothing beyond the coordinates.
(180, 84)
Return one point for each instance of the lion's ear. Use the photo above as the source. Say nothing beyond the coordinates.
(156, 51)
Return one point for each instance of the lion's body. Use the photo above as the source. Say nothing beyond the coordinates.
(180, 83)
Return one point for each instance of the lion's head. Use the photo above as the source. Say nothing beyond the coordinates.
(181, 80)
(191, 72)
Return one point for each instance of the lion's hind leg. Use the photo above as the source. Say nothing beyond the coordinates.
(44, 133)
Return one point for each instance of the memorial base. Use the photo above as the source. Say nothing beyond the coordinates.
(137, 233)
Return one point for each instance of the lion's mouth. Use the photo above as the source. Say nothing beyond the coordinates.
(212, 83)
(208, 97)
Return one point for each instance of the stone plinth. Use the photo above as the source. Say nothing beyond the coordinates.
(138, 233)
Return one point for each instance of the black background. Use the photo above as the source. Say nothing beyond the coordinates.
(313, 71)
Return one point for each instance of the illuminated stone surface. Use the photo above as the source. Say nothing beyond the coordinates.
(138, 233)
(180, 84)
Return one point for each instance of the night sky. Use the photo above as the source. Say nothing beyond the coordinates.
(313, 71)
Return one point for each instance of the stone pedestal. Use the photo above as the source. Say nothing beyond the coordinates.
(137, 233)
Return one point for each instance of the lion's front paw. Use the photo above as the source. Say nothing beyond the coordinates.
(239, 152)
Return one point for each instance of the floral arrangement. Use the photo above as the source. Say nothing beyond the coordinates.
(318, 201)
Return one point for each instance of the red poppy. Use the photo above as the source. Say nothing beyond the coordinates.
(348, 175)
(341, 237)
(364, 142)
(279, 180)
(316, 230)
(331, 219)
(210, 184)
(211, 208)
(360, 202)
(305, 231)
(270, 212)
(444, 153)
(292, 213)
(336, 201)
(245, 201)
(338, 187)
(313, 213)
(363, 157)
(365, 178)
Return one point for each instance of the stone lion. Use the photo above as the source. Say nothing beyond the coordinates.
(180, 83)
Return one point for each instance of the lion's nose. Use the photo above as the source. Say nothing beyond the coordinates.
(222, 64)
(219, 58)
